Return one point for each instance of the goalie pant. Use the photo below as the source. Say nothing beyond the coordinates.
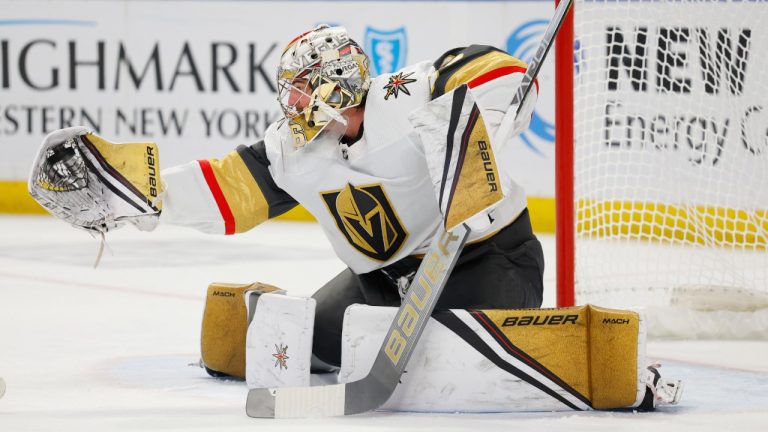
(504, 271)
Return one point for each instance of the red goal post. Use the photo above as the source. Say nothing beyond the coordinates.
(564, 161)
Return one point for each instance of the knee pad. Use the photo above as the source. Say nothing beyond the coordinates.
(258, 333)
(225, 322)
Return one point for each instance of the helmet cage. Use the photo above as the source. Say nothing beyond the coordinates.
(321, 74)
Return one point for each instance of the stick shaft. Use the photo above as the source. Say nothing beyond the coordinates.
(541, 53)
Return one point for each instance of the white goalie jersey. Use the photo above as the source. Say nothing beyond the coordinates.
(379, 199)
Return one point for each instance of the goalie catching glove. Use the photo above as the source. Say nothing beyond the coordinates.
(96, 185)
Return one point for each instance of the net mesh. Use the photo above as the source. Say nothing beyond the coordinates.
(671, 153)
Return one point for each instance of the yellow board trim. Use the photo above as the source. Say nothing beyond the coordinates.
(542, 213)
(298, 214)
(651, 221)
(692, 224)
(15, 199)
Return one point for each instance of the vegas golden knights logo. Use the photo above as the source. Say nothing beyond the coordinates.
(366, 218)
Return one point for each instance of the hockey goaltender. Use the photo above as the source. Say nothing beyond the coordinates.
(385, 165)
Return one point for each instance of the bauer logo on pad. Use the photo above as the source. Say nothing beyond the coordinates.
(367, 219)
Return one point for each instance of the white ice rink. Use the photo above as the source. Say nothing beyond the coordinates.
(110, 349)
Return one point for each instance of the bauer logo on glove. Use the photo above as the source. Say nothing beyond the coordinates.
(96, 185)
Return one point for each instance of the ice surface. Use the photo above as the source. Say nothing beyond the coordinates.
(114, 348)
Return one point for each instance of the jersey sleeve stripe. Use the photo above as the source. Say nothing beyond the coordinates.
(256, 161)
(241, 191)
(499, 72)
(218, 195)
(475, 63)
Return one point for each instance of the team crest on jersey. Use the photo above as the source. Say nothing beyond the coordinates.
(387, 48)
(397, 84)
(366, 218)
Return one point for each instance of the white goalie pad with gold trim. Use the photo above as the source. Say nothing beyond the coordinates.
(96, 185)
(279, 342)
(580, 358)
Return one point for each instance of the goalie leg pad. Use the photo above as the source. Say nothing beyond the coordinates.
(225, 322)
(509, 360)
(279, 342)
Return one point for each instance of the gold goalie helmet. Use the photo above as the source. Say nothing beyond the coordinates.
(322, 73)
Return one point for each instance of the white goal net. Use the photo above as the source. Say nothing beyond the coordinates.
(671, 155)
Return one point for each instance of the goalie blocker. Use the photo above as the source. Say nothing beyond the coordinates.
(580, 358)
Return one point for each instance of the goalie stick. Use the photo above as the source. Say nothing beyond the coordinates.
(374, 389)
(533, 68)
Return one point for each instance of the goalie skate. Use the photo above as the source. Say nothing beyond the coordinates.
(660, 391)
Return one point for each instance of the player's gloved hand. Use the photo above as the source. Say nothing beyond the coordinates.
(96, 185)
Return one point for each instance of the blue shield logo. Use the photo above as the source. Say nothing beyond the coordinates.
(387, 49)
(522, 43)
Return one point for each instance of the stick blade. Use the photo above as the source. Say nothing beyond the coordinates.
(260, 403)
(296, 402)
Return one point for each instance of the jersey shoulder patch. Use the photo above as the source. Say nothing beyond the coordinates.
(406, 85)
(391, 98)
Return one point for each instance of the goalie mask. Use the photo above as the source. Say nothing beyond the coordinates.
(322, 73)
